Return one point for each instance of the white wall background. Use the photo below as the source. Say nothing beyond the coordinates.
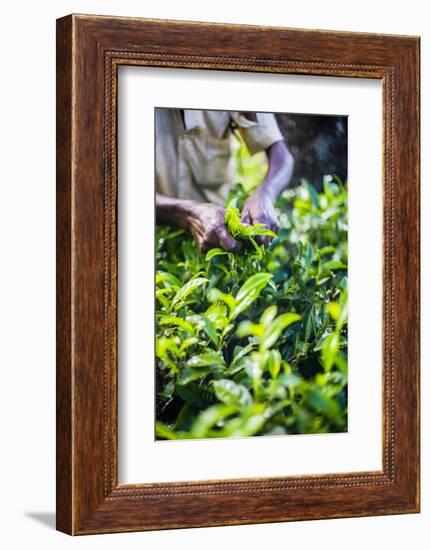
(27, 252)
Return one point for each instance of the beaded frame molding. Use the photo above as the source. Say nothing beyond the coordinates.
(89, 51)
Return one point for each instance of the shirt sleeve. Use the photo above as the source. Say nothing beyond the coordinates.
(260, 134)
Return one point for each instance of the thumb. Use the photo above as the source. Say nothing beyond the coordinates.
(225, 239)
(245, 217)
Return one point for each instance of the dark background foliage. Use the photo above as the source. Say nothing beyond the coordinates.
(318, 144)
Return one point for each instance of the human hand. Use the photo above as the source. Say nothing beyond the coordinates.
(205, 221)
(259, 208)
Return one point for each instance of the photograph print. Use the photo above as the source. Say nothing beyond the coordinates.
(251, 274)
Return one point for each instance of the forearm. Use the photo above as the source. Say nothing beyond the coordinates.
(205, 221)
(280, 169)
(172, 211)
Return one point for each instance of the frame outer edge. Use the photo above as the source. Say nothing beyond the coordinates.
(407, 268)
(81, 508)
(64, 300)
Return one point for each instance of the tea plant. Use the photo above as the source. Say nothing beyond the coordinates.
(255, 342)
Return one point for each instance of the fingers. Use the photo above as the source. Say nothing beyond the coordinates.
(225, 239)
(221, 237)
(205, 245)
(245, 217)
(218, 234)
(264, 239)
(273, 225)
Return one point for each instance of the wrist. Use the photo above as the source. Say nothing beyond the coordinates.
(172, 211)
(185, 212)
(181, 213)
(265, 192)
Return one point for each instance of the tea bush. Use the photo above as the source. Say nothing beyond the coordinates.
(255, 343)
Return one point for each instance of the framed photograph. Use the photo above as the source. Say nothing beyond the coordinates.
(237, 274)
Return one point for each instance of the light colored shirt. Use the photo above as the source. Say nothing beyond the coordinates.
(194, 157)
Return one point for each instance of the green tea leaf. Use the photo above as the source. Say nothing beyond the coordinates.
(312, 192)
(163, 432)
(206, 359)
(208, 418)
(233, 222)
(217, 314)
(215, 295)
(268, 315)
(188, 375)
(247, 328)
(186, 290)
(215, 252)
(274, 363)
(178, 322)
(231, 394)
(169, 278)
(330, 349)
(249, 291)
(333, 265)
(193, 394)
(273, 332)
(322, 403)
(240, 231)
(211, 330)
